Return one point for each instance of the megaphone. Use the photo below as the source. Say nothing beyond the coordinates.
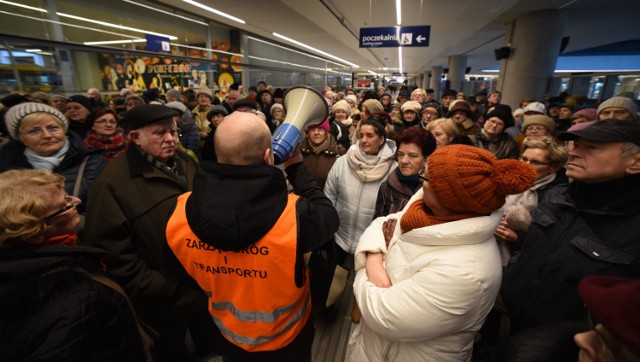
(304, 107)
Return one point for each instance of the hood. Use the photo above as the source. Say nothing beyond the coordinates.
(232, 207)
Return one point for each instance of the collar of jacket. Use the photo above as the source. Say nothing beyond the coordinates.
(617, 196)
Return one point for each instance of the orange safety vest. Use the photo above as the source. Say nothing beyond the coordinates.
(253, 298)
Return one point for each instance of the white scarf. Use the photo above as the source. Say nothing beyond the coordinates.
(41, 162)
(369, 168)
(529, 198)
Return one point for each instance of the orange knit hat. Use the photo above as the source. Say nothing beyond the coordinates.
(470, 179)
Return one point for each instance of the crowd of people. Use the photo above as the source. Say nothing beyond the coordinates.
(159, 227)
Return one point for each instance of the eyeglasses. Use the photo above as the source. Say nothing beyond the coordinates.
(39, 131)
(533, 162)
(106, 121)
(69, 205)
(535, 129)
(424, 178)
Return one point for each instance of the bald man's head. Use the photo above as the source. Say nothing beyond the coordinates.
(243, 139)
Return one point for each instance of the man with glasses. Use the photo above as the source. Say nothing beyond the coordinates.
(132, 200)
(591, 229)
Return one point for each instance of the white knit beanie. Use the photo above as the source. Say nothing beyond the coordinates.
(622, 102)
(353, 98)
(16, 114)
(276, 106)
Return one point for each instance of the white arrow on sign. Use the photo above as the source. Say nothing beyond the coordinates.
(420, 38)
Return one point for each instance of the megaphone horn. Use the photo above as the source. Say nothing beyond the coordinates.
(304, 107)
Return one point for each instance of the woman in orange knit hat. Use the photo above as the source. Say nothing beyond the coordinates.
(429, 275)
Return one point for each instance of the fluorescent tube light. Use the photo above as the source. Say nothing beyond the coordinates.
(398, 12)
(123, 41)
(314, 49)
(166, 12)
(215, 11)
(104, 23)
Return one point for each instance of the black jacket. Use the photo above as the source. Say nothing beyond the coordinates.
(232, 207)
(13, 158)
(592, 229)
(51, 310)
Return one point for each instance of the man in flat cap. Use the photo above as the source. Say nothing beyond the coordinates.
(131, 203)
(591, 229)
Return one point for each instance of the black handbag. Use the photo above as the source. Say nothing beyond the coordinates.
(328, 280)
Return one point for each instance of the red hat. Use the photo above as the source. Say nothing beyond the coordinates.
(324, 125)
(614, 302)
(469, 179)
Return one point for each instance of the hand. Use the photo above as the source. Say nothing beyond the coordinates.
(296, 157)
(505, 233)
(376, 272)
(388, 227)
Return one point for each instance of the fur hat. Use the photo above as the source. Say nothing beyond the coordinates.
(411, 106)
(82, 100)
(343, 105)
(541, 120)
(16, 114)
(536, 107)
(622, 102)
(613, 301)
(353, 98)
(373, 106)
(504, 114)
(146, 114)
(469, 179)
(276, 106)
(206, 91)
(460, 105)
(588, 113)
(217, 109)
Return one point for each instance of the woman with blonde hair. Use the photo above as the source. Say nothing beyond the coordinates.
(56, 302)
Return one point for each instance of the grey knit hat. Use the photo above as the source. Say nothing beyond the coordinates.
(622, 102)
(174, 92)
(16, 114)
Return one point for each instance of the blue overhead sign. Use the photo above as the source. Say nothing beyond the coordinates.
(395, 36)
(158, 43)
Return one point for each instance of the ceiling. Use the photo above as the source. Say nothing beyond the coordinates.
(472, 28)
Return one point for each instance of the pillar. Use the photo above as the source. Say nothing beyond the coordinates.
(457, 69)
(436, 78)
(534, 40)
(63, 57)
(425, 80)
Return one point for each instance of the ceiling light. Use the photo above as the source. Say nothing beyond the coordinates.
(314, 49)
(166, 12)
(123, 41)
(400, 58)
(295, 51)
(33, 50)
(104, 23)
(206, 49)
(398, 12)
(215, 11)
(23, 6)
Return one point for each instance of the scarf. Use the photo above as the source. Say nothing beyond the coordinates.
(412, 181)
(347, 122)
(49, 163)
(111, 146)
(418, 215)
(529, 198)
(66, 239)
(365, 167)
(170, 168)
(321, 147)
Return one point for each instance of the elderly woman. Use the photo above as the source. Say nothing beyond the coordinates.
(460, 112)
(353, 181)
(548, 159)
(345, 133)
(430, 112)
(444, 130)
(419, 95)
(415, 144)
(40, 141)
(410, 116)
(536, 126)
(105, 135)
(428, 276)
(492, 137)
(57, 304)
(319, 151)
(79, 108)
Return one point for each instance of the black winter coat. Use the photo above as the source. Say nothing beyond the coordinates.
(13, 158)
(591, 230)
(51, 310)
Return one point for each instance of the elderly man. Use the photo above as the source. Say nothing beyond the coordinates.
(619, 108)
(230, 99)
(130, 203)
(243, 238)
(96, 98)
(591, 229)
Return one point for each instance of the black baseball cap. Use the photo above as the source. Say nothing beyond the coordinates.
(608, 130)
